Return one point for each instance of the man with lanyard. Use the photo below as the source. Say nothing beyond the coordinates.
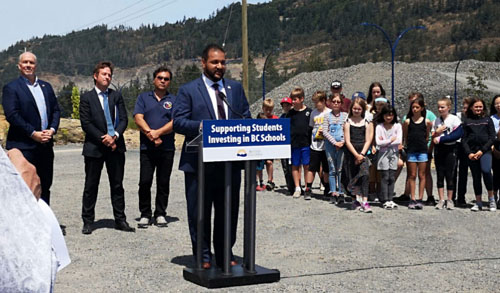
(153, 116)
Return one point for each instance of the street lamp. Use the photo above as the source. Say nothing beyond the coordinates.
(264, 73)
(393, 46)
(456, 70)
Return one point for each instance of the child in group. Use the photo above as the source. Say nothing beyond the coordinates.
(286, 165)
(374, 91)
(333, 131)
(388, 136)
(374, 186)
(300, 134)
(267, 109)
(358, 137)
(428, 179)
(260, 164)
(479, 136)
(495, 117)
(462, 163)
(445, 152)
(318, 156)
(416, 130)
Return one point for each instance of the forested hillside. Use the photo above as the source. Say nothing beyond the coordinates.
(331, 30)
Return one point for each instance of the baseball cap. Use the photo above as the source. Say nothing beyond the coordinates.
(358, 95)
(336, 84)
(286, 100)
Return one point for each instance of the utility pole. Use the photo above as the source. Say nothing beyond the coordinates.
(244, 45)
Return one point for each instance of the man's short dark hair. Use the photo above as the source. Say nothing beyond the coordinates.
(209, 47)
(162, 68)
(103, 64)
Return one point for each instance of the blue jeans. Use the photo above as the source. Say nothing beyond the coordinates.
(335, 158)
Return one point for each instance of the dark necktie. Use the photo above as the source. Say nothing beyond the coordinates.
(220, 103)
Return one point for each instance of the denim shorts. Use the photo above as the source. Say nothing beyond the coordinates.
(417, 157)
(260, 165)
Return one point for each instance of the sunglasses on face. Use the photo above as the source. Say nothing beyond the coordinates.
(163, 78)
(336, 102)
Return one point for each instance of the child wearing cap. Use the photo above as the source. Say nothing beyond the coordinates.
(286, 105)
(336, 88)
(300, 133)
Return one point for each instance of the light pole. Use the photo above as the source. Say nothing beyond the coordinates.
(393, 46)
(264, 73)
(456, 70)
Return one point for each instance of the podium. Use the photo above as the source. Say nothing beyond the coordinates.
(248, 272)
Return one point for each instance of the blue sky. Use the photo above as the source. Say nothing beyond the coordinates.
(22, 19)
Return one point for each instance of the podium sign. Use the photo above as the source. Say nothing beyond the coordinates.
(246, 139)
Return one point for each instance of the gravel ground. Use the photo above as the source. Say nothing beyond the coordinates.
(315, 245)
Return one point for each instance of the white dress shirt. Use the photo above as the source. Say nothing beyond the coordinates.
(211, 92)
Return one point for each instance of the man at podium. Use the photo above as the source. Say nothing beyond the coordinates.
(207, 98)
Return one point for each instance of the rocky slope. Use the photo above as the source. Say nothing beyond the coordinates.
(433, 79)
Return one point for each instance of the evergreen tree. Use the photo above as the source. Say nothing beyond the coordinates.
(75, 101)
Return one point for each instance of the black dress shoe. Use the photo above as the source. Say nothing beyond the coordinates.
(86, 229)
(123, 226)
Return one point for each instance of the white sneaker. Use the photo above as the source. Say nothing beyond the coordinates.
(476, 208)
(296, 194)
(493, 206)
(143, 223)
(440, 205)
(393, 205)
(161, 221)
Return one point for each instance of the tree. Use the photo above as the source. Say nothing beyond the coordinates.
(312, 63)
(75, 101)
(64, 100)
(475, 84)
(254, 82)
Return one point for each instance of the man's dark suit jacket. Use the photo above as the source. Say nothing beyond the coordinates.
(22, 113)
(193, 105)
(94, 122)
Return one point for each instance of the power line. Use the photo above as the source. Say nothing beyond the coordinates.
(104, 17)
(227, 27)
(148, 12)
(93, 31)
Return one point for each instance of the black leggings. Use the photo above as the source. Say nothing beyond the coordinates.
(445, 157)
(387, 184)
(496, 173)
(481, 167)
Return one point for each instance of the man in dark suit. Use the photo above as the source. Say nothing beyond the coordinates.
(31, 108)
(104, 119)
(196, 101)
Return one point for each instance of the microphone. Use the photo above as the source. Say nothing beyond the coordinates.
(224, 98)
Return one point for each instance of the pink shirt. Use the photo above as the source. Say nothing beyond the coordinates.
(383, 136)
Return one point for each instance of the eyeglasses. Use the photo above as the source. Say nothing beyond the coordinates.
(163, 78)
(336, 102)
